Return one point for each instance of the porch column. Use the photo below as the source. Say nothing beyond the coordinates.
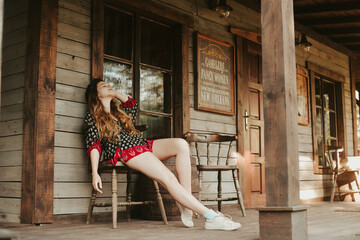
(283, 217)
(39, 113)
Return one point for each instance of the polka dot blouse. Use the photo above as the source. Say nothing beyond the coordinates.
(110, 150)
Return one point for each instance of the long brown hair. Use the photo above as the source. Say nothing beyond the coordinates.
(108, 129)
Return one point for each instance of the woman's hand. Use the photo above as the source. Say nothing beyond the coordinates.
(121, 97)
(96, 182)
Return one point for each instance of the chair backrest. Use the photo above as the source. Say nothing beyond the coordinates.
(213, 139)
(332, 157)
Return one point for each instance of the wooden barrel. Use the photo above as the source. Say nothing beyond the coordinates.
(144, 190)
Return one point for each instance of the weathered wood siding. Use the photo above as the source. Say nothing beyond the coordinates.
(314, 185)
(12, 98)
(72, 177)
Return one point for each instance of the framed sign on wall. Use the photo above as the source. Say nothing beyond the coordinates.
(302, 84)
(215, 76)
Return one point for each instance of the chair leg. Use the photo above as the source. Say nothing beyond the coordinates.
(114, 197)
(160, 202)
(238, 193)
(200, 174)
(356, 180)
(128, 193)
(219, 191)
(91, 206)
(333, 188)
(351, 194)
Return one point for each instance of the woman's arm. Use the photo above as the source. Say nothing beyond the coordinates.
(96, 180)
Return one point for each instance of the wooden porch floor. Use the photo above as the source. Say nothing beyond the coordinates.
(337, 221)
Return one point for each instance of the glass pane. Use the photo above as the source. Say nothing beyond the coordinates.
(329, 95)
(320, 151)
(357, 96)
(155, 90)
(327, 123)
(333, 124)
(318, 91)
(156, 43)
(119, 76)
(318, 122)
(159, 127)
(118, 34)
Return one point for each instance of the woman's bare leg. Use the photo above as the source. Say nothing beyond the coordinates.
(151, 166)
(163, 149)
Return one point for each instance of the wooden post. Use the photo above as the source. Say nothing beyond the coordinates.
(1, 38)
(283, 217)
(39, 113)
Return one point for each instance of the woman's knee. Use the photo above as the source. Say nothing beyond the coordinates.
(181, 145)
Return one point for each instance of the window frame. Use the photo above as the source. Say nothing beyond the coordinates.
(338, 80)
(180, 79)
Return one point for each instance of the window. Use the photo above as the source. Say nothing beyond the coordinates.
(328, 118)
(357, 105)
(138, 61)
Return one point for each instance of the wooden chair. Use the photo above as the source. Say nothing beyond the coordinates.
(341, 176)
(120, 167)
(214, 141)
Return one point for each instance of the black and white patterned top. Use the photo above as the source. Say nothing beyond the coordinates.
(109, 148)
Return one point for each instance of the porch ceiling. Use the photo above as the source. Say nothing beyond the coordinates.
(336, 21)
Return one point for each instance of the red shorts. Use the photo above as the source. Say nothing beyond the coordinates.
(129, 153)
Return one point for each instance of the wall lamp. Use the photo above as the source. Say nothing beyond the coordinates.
(301, 41)
(222, 8)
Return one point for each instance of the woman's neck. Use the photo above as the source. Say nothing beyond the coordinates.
(106, 104)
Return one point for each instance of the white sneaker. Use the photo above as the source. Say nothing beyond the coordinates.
(186, 216)
(222, 222)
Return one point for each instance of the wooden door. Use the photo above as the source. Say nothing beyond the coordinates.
(254, 125)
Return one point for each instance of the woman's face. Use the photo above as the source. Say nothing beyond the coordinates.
(105, 90)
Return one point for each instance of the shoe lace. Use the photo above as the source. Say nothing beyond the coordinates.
(188, 212)
(225, 216)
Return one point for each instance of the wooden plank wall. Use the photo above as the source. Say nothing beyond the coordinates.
(72, 178)
(12, 98)
(314, 186)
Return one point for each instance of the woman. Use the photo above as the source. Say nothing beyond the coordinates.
(110, 128)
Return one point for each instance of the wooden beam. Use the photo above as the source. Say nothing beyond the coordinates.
(337, 31)
(97, 63)
(324, 40)
(328, 7)
(328, 20)
(280, 103)
(283, 217)
(252, 4)
(252, 36)
(156, 8)
(185, 79)
(353, 66)
(1, 40)
(181, 80)
(325, 72)
(39, 113)
(345, 40)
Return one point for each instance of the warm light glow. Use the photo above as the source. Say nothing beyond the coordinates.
(223, 9)
(301, 41)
